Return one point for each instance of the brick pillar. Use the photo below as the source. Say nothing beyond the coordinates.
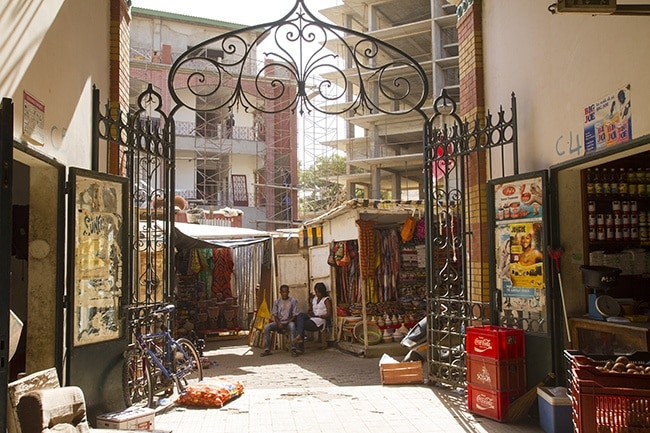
(472, 106)
(119, 71)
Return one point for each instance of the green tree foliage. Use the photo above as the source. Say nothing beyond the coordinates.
(320, 190)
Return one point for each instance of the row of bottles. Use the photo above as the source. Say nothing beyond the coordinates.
(630, 182)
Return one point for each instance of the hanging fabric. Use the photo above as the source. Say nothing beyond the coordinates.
(223, 267)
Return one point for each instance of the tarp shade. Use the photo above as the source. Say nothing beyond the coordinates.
(205, 236)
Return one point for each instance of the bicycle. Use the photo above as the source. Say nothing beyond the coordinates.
(156, 362)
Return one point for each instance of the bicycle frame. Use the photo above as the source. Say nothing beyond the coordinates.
(156, 362)
(167, 368)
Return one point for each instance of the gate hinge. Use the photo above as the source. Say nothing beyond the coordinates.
(67, 187)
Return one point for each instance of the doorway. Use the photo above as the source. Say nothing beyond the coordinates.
(36, 266)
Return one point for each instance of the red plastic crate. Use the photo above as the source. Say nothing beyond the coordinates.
(495, 342)
(498, 375)
(605, 401)
(489, 403)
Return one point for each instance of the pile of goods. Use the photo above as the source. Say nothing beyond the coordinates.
(623, 365)
(214, 392)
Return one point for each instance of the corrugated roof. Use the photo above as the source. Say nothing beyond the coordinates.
(387, 206)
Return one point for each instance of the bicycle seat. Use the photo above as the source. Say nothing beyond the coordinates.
(165, 309)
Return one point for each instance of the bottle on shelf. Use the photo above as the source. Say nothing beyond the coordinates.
(590, 182)
(613, 182)
(622, 182)
(640, 183)
(598, 182)
(606, 182)
(631, 183)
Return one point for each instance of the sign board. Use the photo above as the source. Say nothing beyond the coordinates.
(587, 6)
(33, 119)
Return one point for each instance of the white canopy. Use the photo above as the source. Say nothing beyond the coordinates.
(207, 236)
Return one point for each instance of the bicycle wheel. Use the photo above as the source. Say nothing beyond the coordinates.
(187, 367)
(137, 383)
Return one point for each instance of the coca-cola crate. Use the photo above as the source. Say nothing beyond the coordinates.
(495, 342)
(498, 375)
(608, 401)
(490, 403)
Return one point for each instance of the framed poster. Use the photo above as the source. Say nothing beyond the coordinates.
(98, 231)
(519, 247)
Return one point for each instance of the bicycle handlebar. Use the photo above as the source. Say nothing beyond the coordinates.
(154, 315)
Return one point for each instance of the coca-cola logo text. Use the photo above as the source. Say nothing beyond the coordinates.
(481, 344)
(484, 402)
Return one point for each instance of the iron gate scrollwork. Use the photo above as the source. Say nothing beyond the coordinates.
(290, 77)
(140, 146)
(455, 152)
(458, 158)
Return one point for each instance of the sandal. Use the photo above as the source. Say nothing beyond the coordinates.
(265, 353)
(294, 353)
(298, 339)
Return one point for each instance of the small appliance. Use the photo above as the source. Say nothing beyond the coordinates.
(599, 279)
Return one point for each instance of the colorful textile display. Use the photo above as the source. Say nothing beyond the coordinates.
(223, 267)
(214, 392)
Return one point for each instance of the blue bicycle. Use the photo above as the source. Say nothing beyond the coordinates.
(156, 362)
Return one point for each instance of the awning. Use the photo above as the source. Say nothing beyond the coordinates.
(206, 236)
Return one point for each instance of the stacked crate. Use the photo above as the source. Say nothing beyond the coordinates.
(496, 369)
(606, 400)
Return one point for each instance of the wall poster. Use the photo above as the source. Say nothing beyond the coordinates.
(520, 250)
(608, 121)
(98, 230)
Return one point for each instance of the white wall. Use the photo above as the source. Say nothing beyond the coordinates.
(56, 50)
(557, 65)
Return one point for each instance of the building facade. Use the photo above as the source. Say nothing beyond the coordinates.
(226, 157)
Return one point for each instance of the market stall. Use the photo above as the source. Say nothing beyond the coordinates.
(217, 270)
(378, 269)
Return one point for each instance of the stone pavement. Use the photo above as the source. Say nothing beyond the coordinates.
(323, 391)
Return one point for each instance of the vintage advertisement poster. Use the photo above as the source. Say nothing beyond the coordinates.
(519, 242)
(608, 121)
(98, 261)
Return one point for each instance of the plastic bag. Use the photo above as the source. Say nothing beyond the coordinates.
(212, 393)
(408, 229)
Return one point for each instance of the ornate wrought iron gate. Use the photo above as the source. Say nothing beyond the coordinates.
(459, 156)
(140, 146)
(458, 159)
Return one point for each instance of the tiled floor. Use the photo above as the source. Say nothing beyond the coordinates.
(323, 391)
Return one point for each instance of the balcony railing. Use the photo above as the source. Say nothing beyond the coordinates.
(139, 54)
(249, 133)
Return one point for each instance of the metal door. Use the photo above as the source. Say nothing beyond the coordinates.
(292, 271)
(6, 173)
(459, 159)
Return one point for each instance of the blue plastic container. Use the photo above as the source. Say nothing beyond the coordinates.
(554, 410)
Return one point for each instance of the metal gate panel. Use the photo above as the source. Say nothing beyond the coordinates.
(458, 159)
(142, 143)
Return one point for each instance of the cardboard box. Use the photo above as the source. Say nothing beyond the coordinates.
(133, 418)
(554, 410)
(401, 373)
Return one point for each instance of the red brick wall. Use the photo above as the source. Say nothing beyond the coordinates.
(119, 70)
(472, 105)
